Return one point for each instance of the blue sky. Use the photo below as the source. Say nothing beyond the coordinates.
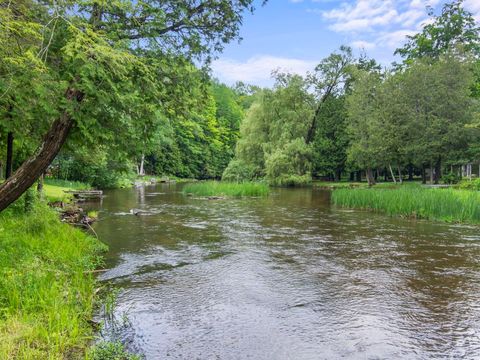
(294, 35)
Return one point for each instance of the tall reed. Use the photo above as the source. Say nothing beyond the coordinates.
(437, 204)
(217, 188)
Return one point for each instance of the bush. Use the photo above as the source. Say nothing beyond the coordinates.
(290, 165)
(470, 185)
(450, 178)
(237, 170)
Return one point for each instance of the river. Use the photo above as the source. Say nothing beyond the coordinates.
(287, 277)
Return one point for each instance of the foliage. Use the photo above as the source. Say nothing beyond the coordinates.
(217, 188)
(470, 185)
(454, 29)
(414, 201)
(110, 351)
(46, 294)
(451, 178)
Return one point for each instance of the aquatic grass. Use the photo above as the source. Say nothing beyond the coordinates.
(414, 201)
(219, 188)
(46, 286)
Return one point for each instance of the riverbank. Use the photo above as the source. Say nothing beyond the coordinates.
(414, 201)
(46, 286)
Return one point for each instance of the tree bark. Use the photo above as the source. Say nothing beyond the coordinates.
(338, 175)
(393, 175)
(400, 179)
(358, 176)
(438, 170)
(370, 177)
(410, 172)
(431, 172)
(141, 170)
(9, 166)
(30, 171)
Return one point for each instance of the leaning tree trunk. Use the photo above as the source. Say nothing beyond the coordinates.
(9, 165)
(33, 168)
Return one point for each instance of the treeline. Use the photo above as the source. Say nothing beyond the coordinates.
(108, 86)
(351, 117)
(195, 142)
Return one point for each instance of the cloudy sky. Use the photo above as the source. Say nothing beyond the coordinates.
(294, 35)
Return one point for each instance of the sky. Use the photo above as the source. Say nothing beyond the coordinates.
(294, 35)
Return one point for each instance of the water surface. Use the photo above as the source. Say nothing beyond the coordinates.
(287, 277)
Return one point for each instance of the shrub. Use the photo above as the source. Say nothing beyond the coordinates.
(237, 170)
(290, 165)
(470, 185)
(450, 178)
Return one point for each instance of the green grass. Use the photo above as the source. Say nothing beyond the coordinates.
(217, 188)
(55, 189)
(414, 201)
(349, 185)
(46, 288)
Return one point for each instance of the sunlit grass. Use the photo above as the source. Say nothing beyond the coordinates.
(46, 290)
(414, 201)
(54, 189)
(218, 188)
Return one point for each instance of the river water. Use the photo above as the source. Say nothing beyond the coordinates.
(287, 277)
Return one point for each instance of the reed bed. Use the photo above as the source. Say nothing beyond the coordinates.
(218, 188)
(449, 205)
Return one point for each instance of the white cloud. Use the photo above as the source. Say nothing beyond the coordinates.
(257, 70)
(365, 45)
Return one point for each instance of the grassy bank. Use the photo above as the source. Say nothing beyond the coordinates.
(414, 201)
(46, 290)
(217, 188)
(54, 189)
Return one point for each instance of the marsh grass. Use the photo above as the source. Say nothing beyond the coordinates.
(46, 286)
(218, 188)
(449, 205)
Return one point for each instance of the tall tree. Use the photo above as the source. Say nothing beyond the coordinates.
(97, 44)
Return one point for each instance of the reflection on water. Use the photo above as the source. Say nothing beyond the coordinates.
(288, 277)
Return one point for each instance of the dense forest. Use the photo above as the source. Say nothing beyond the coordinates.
(128, 102)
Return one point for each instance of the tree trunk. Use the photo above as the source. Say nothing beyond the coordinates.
(370, 177)
(393, 175)
(30, 171)
(424, 174)
(9, 167)
(338, 175)
(438, 170)
(358, 176)
(352, 176)
(141, 170)
(410, 172)
(40, 186)
(385, 174)
(400, 179)
(431, 172)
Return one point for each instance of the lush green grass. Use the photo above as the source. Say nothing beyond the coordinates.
(414, 201)
(55, 189)
(46, 288)
(218, 188)
(349, 185)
